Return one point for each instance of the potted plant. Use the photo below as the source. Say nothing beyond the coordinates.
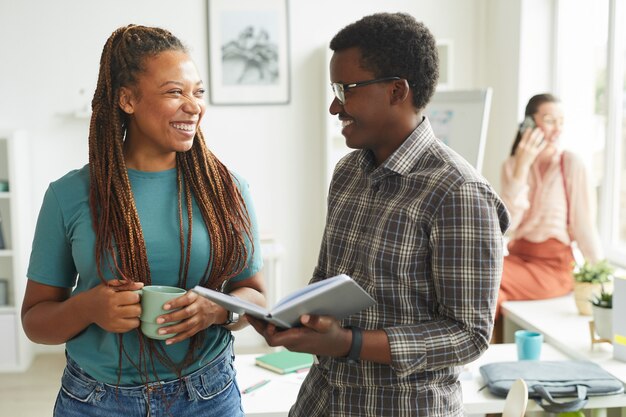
(588, 281)
(601, 306)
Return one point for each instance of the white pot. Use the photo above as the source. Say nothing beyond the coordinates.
(603, 322)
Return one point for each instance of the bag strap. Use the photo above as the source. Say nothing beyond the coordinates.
(555, 407)
(562, 163)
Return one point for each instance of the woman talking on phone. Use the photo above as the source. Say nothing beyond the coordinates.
(548, 195)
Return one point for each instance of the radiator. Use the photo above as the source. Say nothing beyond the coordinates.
(248, 340)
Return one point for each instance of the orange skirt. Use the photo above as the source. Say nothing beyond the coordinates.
(534, 271)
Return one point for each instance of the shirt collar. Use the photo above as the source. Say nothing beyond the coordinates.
(402, 160)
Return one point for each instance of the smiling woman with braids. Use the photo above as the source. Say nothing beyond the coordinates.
(153, 206)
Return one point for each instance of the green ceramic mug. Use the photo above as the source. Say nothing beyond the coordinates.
(152, 299)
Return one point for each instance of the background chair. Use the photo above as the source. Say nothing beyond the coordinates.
(516, 400)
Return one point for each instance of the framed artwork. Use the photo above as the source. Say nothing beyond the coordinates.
(248, 52)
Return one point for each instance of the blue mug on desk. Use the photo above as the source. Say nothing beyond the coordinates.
(528, 345)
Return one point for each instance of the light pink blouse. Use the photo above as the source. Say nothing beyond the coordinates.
(538, 209)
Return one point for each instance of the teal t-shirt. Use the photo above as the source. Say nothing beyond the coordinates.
(63, 256)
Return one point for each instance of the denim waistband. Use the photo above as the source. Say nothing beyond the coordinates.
(224, 358)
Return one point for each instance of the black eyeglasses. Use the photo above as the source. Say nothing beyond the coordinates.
(340, 89)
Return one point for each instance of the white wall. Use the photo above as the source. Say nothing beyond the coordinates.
(502, 74)
(581, 55)
(50, 52)
(518, 63)
(537, 44)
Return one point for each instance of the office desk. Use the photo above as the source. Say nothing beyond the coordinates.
(567, 331)
(478, 401)
(275, 398)
(271, 400)
(563, 328)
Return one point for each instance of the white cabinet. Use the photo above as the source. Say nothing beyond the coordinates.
(15, 214)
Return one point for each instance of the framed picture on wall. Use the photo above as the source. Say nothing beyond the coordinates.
(248, 52)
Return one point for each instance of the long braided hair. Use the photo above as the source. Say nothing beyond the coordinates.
(120, 245)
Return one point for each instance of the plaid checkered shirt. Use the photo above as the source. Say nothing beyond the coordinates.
(422, 233)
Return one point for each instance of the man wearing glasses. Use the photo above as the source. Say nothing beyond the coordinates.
(414, 224)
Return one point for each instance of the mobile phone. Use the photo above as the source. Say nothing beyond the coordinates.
(528, 123)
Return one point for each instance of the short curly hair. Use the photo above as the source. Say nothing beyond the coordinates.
(395, 45)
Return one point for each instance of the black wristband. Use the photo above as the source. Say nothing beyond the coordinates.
(355, 348)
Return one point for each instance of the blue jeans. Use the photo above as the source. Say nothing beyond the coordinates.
(211, 391)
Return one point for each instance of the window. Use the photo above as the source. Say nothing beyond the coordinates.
(613, 202)
(591, 82)
(616, 131)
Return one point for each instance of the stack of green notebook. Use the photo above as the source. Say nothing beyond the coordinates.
(285, 361)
